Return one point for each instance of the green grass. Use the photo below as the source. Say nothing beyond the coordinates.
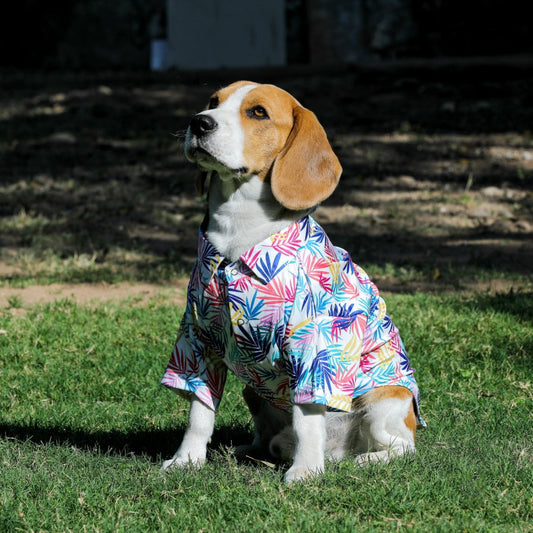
(84, 426)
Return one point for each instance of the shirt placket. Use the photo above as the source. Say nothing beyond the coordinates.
(233, 275)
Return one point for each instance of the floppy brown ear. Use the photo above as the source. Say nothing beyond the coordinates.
(306, 170)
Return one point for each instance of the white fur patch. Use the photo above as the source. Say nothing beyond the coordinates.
(376, 433)
(242, 214)
(193, 448)
(226, 143)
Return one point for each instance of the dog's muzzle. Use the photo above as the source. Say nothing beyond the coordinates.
(202, 125)
(198, 149)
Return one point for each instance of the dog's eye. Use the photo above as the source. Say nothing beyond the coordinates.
(213, 102)
(258, 112)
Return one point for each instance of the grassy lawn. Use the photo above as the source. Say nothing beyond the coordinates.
(435, 203)
(85, 425)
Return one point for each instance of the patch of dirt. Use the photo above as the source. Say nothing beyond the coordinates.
(87, 293)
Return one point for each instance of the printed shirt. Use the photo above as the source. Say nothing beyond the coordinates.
(294, 318)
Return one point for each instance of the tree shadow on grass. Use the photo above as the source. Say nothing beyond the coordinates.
(516, 303)
(88, 167)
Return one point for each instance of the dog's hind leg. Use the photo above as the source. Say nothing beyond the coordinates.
(385, 426)
(193, 448)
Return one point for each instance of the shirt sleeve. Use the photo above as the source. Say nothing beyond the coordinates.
(194, 368)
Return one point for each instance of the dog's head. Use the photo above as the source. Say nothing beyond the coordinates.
(251, 129)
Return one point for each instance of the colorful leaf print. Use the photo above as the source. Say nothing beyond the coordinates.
(301, 335)
(346, 379)
(251, 257)
(293, 317)
(318, 235)
(241, 284)
(269, 266)
(297, 370)
(349, 288)
(323, 301)
(346, 260)
(216, 380)
(253, 307)
(254, 341)
(234, 297)
(326, 283)
(315, 266)
(287, 242)
(404, 363)
(274, 293)
(344, 315)
(321, 371)
(207, 255)
(215, 292)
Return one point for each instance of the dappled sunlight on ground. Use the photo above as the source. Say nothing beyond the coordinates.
(436, 188)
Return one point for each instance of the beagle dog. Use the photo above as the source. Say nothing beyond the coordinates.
(275, 302)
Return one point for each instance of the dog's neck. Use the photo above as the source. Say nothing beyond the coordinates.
(242, 213)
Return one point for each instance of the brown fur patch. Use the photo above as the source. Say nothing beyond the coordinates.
(307, 170)
(289, 146)
(264, 139)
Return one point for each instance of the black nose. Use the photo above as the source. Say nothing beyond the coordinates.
(202, 124)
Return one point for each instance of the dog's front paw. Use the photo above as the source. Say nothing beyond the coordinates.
(182, 462)
(301, 473)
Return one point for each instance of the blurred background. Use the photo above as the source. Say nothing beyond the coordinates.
(96, 34)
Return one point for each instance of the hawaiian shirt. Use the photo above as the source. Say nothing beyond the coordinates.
(293, 317)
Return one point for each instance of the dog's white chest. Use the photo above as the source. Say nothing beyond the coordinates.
(242, 215)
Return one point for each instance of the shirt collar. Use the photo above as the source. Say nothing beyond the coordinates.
(265, 259)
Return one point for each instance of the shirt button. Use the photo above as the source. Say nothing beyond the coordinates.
(234, 272)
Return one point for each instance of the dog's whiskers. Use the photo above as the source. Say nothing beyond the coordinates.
(180, 134)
